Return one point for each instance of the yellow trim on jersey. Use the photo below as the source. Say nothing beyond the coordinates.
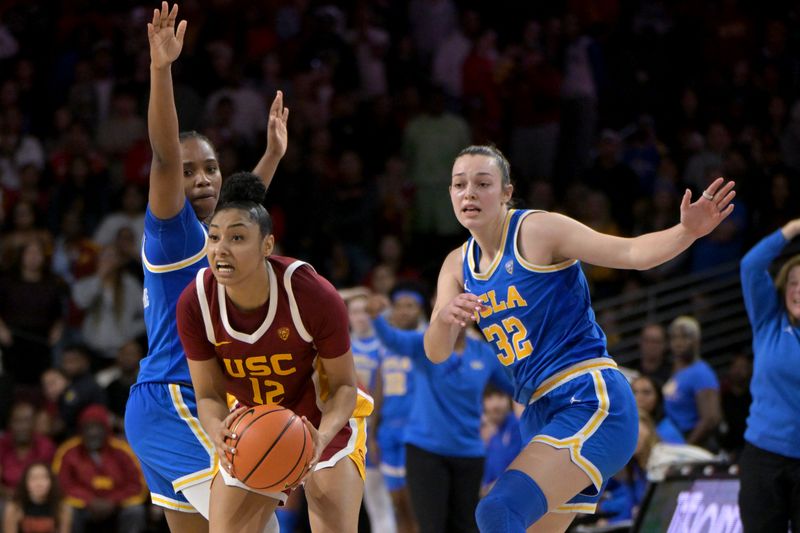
(75, 502)
(497, 257)
(527, 265)
(587, 508)
(569, 373)
(169, 503)
(575, 443)
(171, 267)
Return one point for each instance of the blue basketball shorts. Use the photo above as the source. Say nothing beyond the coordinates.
(164, 432)
(588, 409)
(393, 456)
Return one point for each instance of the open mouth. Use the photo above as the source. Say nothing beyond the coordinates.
(223, 267)
(470, 209)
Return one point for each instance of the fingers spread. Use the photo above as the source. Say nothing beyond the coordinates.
(181, 31)
(715, 185)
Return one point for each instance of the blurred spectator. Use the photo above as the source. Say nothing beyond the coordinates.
(431, 142)
(691, 396)
(718, 141)
(130, 215)
(650, 400)
(21, 446)
(431, 21)
(126, 369)
(370, 43)
(37, 505)
(503, 438)
(101, 478)
(24, 228)
(32, 309)
(48, 418)
(112, 300)
(653, 361)
(120, 131)
(82, 389)
(735, 398)
(448, 61)
(75, 254)
(17, 149)
(614, 178)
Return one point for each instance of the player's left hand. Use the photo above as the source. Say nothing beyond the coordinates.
(700, 218)
(277, 134)
(225, 440)
(315, 438)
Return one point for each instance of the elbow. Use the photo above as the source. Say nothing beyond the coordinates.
(432, 352)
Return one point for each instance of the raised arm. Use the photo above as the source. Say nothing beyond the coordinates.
(454, 309)
(550, 238)
(166, 197)
(277, 140)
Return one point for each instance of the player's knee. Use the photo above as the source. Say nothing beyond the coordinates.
(513, 504)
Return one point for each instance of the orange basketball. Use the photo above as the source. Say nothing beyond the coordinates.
(273, 448)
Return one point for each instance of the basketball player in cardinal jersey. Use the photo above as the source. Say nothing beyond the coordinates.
(270, 330)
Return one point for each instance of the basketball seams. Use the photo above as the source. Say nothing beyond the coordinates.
(274, 443)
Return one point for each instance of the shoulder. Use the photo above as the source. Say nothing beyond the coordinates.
(454, 261)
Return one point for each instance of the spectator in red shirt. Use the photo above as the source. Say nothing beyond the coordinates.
(21, 446)
(100, 477)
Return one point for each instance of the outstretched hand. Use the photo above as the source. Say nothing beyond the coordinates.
(277, 135)
(165, 41)
(702, 216)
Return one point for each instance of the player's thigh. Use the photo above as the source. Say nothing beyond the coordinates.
(238, 509)
(552, 523)
(553, 470)
(180, 522)
(334, 498)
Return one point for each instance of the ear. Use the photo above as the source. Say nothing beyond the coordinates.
(268, 245)
(508, 192)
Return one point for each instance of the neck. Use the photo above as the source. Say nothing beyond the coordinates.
(489, 237)
(250, 293)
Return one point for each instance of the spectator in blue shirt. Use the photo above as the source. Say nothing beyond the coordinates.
(691, 396)
(769, 499)
(444, 450)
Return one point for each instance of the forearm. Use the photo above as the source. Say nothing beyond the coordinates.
(266, 167)
(336, 412)
(440, 340)
(701, 431)
(653, 249)
(162, 117)
(211, 410)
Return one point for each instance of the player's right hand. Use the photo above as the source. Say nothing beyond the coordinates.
(225, 440)
(461, 310)
(165, 42)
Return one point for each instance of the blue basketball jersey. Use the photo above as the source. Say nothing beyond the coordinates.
(367, 359)
(397, 371)
(173, 250)
(539, 318)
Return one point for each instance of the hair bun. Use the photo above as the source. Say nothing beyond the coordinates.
(243, 187)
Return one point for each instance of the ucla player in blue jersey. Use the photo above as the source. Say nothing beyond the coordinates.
(519, 277)
(161, 423)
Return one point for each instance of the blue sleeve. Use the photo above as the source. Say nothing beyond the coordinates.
(172, 241)
(410, 343)
(760, 296)
(499, 377)
(704, 378)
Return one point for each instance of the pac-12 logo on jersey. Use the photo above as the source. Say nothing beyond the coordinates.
(283, 333)
(510, 266)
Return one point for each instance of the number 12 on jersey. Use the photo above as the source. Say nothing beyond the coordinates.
(518, 347)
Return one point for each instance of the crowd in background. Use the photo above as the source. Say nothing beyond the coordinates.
(607, 111)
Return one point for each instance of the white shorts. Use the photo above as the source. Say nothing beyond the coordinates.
(233, 482)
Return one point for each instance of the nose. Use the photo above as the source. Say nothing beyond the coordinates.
(470, 190)
(202, 180)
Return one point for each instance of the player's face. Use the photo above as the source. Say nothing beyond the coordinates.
(793, 292)
(406, 312)
(236, 249)
(496, 408)
(682, 342)
(359, 319)
(201, 176)
(477, 191)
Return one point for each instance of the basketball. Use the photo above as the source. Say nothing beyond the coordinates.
(273, 448)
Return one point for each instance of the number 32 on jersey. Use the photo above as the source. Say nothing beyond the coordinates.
(511, 339)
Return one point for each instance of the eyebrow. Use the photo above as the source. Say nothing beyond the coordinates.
(481, 173)
(209, 160)
(242, 224)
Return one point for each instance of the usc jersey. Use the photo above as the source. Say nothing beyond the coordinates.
(271, 355)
